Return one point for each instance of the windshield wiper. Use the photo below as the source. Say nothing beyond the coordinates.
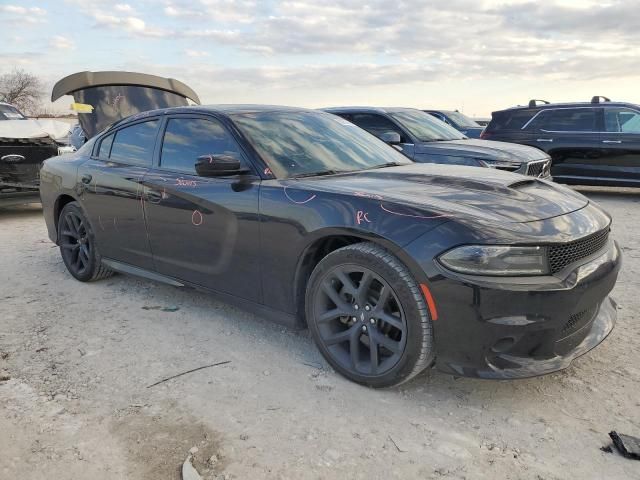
(384, 165)
(318, 174)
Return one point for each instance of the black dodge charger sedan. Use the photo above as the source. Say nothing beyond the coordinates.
(307, 219)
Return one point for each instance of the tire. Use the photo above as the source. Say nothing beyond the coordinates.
(78, 247)
(361, 296)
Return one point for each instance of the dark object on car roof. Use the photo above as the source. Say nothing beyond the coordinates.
(116, 95)
(533, 103)
(627, 445)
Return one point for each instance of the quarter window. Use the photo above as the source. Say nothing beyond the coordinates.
(186, 139)
(105, 146)
(568, 120)
(621, 120)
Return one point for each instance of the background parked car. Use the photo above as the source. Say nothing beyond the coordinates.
(483, 122)
(24, 144)
(465, 125)
(596, 143)
(425, 139)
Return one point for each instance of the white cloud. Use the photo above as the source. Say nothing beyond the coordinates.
(59, 42)
(195, 53)
(23, 14)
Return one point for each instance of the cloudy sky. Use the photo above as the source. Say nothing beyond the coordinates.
(474, 55)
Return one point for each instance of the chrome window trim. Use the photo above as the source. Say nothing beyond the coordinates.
(579, 131)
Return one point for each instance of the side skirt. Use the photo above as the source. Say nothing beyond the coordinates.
(258, 309)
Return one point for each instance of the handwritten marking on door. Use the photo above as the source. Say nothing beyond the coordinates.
(362, 217)
(196, 218)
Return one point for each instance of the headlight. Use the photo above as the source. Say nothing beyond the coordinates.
(497, 260)
(500, 165)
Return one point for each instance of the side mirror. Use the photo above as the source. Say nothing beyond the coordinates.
(218, 166)
(392, 138)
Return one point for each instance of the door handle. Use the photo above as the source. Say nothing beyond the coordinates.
(611, 141)
(86, 179)
(544, 140)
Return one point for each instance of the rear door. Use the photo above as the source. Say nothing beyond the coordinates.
(572, 137)
(203, 230)
(112, 192)
(621, 146)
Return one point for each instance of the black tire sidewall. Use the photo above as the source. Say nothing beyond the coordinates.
(413, 307)
(94, 259)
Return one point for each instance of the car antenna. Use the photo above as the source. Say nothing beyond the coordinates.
(597, 98)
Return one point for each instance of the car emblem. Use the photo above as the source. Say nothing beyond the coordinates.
(12, 158)
(362, 316)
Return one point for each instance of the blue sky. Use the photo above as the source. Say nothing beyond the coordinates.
(474, 55)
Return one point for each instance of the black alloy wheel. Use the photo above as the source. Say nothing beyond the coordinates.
(77, 245)
(367, 329)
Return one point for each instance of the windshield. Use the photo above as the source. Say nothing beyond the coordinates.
(7, 112)
(425, 127)
(306, 143)
(462, 120)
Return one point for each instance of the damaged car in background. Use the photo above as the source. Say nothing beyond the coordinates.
(24, 144)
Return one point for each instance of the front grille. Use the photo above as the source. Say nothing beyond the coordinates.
(567, 253)
(577, 321)
(538, 169)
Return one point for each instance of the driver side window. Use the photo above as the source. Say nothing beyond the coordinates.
(186, 139)
(377, 124)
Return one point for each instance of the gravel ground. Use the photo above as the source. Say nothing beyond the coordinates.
(80, 358)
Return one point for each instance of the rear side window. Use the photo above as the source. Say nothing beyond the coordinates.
(567, 120)
(510, 120)
(186, 139)
(134, 144)
(105, 146)
(621, 120)
(376, 124)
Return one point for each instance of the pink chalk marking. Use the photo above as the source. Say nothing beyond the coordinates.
(362, 217)
(295, 201)
(267, 171)
(412, 216)
(181, 182)
(196, 218)
(368, 195)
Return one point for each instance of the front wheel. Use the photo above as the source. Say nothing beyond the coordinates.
(77, 245)
(367, 316)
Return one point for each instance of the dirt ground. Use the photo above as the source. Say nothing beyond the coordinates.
(80, 358)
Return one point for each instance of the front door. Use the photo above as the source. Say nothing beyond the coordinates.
(112, 192)
(621, 146)
(571, 136)
(203, 230)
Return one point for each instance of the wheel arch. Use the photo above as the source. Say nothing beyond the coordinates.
(61, 201)
(328, 240)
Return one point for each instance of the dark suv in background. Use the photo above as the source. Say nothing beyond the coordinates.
(596, 143)
(425, 139)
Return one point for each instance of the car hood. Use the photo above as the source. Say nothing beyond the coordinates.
(425, 189)
(23, 129)
(482, 150)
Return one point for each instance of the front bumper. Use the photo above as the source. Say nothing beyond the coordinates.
(517, 328)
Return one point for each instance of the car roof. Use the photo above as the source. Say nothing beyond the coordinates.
(445, 112)
(361, 109)
(224, 109)
(547, 106)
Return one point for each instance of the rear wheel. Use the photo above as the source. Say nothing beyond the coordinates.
(367, 316)
(77, 245)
